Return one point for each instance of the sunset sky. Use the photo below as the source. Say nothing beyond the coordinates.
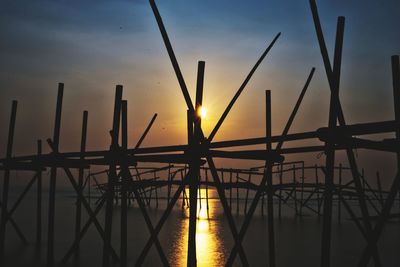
(93, 45)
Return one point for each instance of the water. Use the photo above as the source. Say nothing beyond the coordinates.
(297, 238)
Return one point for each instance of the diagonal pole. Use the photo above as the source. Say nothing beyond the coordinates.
(124, 183)
(112, 176)
(330, 149)
(78, 213)
(259, 191)
(227, 211)
(349, 152)
(163, 219)
(83, 230)
(172, 56)
(83, 200)
(146, 131)
(22, 195)
(241, 88)
(194, 138)
(270, 189)
(39, 200)
(396, 183)
(6, 181)
(15, 226)
(53, 176)
(126, 173)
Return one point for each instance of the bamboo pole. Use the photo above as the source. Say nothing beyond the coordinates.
(270, 189)
(112, 176)
(39, 200)
(124, 185)
(53, 176)
(6, 181)
(78, 214)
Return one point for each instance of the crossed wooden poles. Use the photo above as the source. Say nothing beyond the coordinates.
(199, 150)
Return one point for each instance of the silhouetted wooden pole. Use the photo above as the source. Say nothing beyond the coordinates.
(88, 185)
(247, 194)
(270, 188)
(199, 191)
(295, 189)
(169, 183)
(124, 185)
(183, 191)
(53, 175)
(39, 200)
(330, 150)
(230, 190)
(263, 200)
(317, 184)
(208, 208)
(241, 88)
(280, 190)
(258, 193)
(339, 191)
(237, 193)
(302, 190)
(155, 188)
(80, 181)
(333, 75)
(220, 189)
(194, 142)
(363, 179)
(6, 181)
(396, 183)
(112, 175)
(379, 185)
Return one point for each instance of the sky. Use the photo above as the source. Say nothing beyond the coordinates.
(91, 46)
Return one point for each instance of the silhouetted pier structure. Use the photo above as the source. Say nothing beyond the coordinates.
(124, 181)
(295, 191)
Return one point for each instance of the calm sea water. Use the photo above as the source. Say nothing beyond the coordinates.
(297, 238)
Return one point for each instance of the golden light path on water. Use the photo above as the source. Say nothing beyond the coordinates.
(209, 245)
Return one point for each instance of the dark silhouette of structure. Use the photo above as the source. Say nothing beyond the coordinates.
(121, 161)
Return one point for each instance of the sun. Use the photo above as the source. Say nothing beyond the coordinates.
(202, 112)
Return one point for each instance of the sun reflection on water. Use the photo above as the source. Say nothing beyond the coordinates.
(209, 245)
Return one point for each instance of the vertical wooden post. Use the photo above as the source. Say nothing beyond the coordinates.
(396, 183)
(317, 185)
(6, 181)
(295, 189)
(330, 151)
(183, 191)
(339, 191)
(237, 193)
(230, 190)
(112, 175)
(363, 179)
(199, 192)
(88, 185)
(270, 188)
(247, 194)
(80, 183)
(302, 190)
(207, 193)
(39, 200)
(155, 188)
(169, 184)
(223, 180)
(195, 164)
(124, 185)
(53, 175)
(378, 182)
(280, 190)
(262, 203)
